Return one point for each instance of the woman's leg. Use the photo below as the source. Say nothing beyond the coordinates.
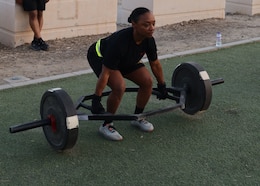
(117, 84)
(143, 79)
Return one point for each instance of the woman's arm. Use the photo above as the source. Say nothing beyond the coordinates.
(157, 71)
(102, 80)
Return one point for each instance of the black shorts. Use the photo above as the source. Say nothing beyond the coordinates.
(96, 62)
(31, 5)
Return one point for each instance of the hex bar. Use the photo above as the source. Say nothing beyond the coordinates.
(159, 111)
(132, 89)
(181, 104)
(155, 92)
(217, 81)
(83, 105)
(85, 117)
(31, 125)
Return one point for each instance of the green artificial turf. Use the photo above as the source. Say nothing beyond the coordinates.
(218, 147)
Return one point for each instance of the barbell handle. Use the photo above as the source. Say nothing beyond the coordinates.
(217, 81)
(31, 125)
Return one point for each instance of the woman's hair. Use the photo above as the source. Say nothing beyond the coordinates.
(134, 16)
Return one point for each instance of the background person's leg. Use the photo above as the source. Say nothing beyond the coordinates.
(35, 24)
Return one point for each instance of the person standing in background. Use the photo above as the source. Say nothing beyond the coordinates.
(35, 10)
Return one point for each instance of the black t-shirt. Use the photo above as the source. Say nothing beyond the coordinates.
(120, 52)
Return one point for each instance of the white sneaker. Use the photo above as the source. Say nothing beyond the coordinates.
(143, 125)
(109, 132)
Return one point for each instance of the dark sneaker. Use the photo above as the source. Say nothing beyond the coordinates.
(43, 45)
(35, 45)
(109, 132)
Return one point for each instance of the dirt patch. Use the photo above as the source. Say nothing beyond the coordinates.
(69, 55)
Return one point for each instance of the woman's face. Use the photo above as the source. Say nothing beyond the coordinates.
(145, 25)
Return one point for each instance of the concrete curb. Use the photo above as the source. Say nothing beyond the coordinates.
(72, 74)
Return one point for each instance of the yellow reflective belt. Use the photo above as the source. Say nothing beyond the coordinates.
(98, 48)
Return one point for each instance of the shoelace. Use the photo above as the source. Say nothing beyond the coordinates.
(111, 128)
(143, 121)
(41, 41)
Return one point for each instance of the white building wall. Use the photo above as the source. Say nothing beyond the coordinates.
(62, 19)
(249, 7)
(71, 18)
(170, 12)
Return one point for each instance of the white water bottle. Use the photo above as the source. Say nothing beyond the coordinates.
(218, 39)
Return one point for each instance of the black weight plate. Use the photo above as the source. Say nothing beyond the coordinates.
(63, 133)
(198, 86)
